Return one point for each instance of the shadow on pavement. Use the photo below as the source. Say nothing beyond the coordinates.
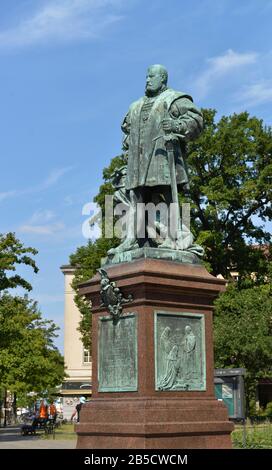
(11, 438)
(13, 433)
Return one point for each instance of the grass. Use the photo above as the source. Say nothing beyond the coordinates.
(257, 436)
(64, 432)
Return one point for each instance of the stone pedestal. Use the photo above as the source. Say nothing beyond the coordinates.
(185, 415)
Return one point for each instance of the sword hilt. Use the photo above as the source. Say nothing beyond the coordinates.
(169, 137)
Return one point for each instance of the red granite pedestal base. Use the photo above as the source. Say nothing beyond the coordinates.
(148, 418)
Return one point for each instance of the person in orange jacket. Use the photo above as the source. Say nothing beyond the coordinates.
(52, 411)
(43, 412)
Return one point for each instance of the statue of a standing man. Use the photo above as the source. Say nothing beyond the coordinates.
(156, 129)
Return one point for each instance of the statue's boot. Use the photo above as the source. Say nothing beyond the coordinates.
(127, 245)
(197, 250)
(168, 243)
(130, 242)
(183, 241)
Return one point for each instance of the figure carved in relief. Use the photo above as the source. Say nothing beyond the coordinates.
(172, 368)
(189, 350)
(165, 347)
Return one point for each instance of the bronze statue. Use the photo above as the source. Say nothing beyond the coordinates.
(157, 128)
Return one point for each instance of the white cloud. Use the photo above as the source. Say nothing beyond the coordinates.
(220, 66)
(45, 222)
(47, 229)
(68, 200)
(62, 20)
(42, 215)
(255, 94)
(52, 179)
(55, 175)
(39, 224)
(7, 194)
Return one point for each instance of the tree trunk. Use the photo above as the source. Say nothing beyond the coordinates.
(5, 408)
(1, 406)
(14, 408)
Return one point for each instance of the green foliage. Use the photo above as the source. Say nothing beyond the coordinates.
(268, 410)
(107, 188)
(252, 437)
(230, 169)
(87, 258)
(12, 254)
(243, 333)
(252, 407)
(261, 414)
(29, 361)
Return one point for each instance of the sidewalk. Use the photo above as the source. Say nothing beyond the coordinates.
(10, 438)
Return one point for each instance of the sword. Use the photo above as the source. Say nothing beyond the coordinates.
(170, 139)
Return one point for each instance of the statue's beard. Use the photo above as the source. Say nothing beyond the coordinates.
(149, 92)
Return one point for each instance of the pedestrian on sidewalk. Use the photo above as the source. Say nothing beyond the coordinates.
(78, 409)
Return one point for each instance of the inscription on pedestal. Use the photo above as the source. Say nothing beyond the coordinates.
(180, 351)
(117, 354)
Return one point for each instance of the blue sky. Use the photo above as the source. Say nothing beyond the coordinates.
(69, 70)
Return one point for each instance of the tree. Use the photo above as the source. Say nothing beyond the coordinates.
(243, 332)
(12, 254)
(87, 258)
(230, 169)
(29, 361)
(107, 188)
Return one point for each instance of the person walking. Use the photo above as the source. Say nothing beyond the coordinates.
(77, 409)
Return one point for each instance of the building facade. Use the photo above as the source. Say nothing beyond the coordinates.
(77, 359)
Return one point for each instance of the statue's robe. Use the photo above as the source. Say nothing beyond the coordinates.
(147, 155)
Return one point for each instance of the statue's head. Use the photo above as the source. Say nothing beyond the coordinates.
(188, 329)
(104, 282)
(156, 79)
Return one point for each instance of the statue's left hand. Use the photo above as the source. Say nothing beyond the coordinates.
(169, 125)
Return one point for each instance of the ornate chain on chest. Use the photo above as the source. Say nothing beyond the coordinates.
(146, 108)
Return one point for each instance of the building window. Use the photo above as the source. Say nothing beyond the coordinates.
(86, 356)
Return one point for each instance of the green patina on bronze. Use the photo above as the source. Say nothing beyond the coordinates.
(156, 128)
(111, 296)
(187, 257)
(117, 354)
(180, 362)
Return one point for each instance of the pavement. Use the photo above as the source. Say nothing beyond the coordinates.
(10, 438)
